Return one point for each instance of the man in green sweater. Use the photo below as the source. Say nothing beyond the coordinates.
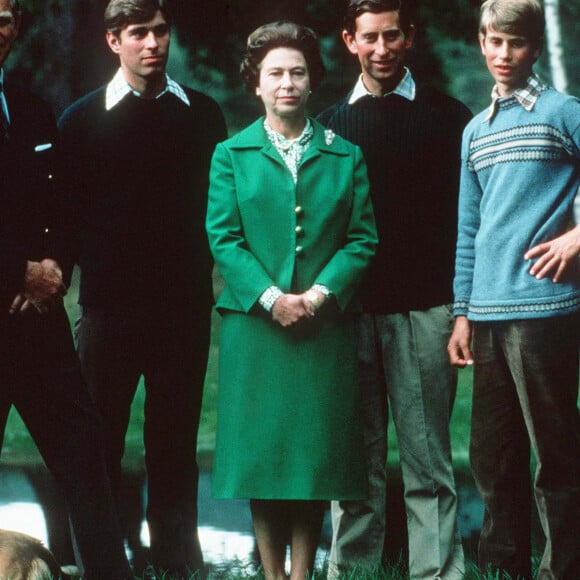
(137, 154)
(410, 135)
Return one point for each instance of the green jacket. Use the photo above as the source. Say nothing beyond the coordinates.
(264, 230)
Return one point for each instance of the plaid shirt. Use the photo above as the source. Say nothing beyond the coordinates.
(119, 88)
(526, 96)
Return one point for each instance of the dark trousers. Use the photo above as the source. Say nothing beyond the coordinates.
(525, 391)
(40, 376)
(115, 349)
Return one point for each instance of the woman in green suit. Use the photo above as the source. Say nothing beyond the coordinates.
(292, 231)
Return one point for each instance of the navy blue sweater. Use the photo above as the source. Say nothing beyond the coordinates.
(412, 150)
(138, 179)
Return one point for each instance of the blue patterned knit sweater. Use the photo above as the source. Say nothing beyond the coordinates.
(520, 175)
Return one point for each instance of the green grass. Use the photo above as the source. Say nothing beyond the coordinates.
(395, 571)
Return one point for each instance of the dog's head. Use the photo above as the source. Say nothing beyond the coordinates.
(23, 557)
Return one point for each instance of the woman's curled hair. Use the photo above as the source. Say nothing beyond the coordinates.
(281, 34)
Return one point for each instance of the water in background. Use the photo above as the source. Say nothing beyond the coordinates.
(31, 503)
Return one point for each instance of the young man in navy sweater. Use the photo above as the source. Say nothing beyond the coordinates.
(39, 369)
(517, 295)
(410, 135)
(138, 153)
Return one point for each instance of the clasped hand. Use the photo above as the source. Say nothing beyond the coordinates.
(292, 308)
(43, 287)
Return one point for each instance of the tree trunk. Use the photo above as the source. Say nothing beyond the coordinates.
(554, 45)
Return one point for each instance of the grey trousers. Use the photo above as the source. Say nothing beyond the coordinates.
(525, 391)
(403, 359)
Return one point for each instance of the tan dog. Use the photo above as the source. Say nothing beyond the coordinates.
(25, 558)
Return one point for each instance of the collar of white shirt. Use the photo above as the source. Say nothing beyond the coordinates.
(406, 88)
(119, 88)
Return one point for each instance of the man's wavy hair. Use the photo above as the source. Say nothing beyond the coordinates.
(281, 34)
(121, 13)
(357, 7)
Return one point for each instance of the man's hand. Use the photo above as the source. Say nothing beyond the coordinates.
(43, 287)
(555, 255)
(459, 344)
(290, 309)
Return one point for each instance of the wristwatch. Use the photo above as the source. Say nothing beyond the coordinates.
(313, 297)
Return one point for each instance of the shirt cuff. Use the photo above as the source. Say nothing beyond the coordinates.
(269, 296)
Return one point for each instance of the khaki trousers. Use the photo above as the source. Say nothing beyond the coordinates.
(403, 362)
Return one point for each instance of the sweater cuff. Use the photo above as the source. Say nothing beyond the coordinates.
(460, 308)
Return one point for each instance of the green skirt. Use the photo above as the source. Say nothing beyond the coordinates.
(289, 423)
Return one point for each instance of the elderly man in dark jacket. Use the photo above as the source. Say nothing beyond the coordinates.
(39, 371)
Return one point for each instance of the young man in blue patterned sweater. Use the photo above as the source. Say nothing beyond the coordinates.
(517, 295)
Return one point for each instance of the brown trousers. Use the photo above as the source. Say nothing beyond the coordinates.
(525, 392)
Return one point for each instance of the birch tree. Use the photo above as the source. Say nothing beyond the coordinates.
(554, 45)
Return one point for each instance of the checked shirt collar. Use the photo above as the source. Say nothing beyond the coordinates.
(526, 96)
